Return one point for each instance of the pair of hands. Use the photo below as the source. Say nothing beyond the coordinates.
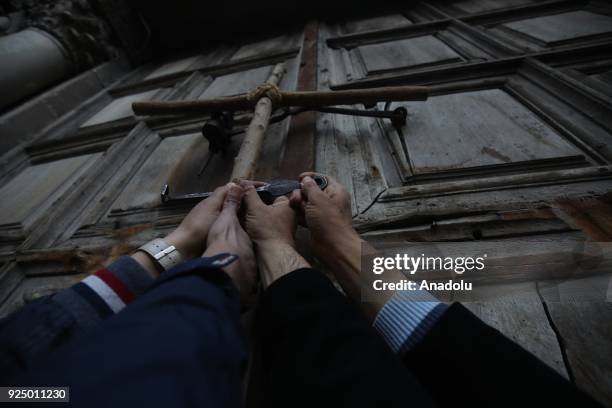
(267, 239)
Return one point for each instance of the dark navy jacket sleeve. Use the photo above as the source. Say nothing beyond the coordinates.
(41, 327)
(178, 345)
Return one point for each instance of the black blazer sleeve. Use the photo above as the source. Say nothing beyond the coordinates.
(319, 350)
(464, 362)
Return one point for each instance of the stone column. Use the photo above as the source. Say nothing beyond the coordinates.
(30, 61)
(54, 40)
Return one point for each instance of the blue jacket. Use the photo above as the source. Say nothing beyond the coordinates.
(185, 328)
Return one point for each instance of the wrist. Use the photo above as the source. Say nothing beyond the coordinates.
(342, 258)
(333, 244)
(159, 255)
(276, 259)
(271, 243)
(188, 244)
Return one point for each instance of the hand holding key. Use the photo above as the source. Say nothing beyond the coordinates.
(272, 229)
(326, 213)
(267, 191)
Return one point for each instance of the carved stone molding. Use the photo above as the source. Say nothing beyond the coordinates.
(77, 25)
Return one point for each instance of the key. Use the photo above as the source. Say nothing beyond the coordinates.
(268, 192)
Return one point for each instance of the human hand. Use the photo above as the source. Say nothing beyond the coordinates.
(326, 213)
(227, 235)
(274, 223)
(191, 235)
(272, 229)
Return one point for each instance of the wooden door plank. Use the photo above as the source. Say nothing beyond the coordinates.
(31, 289)
(477, 6)
(270, 159)
(593, 216)
(237, 83)
(377, 23)
(145, 186)
(479, 128)
(582, 318)
(298, 155)
(406, 53)
(32, 191)
(561, 27)
(173, 67)
(346, 151)
(517, 312)
(120, 108)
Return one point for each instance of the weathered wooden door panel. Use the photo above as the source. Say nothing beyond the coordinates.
(413, 48)
(556, 29)
(585, 330)
(376, 23)
(120, 108)
(561, 29)
(173, 67)
(604, 78)
(485, 128)
(143, 191)
(352, 150)
(478, 6)
(528, 121)
(597, 77)
(33, 191)
(237, 82)
(407, 53)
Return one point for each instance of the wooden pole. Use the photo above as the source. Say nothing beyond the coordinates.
(245, 161)
(307, 98)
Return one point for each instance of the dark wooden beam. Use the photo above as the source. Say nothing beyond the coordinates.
(299, 146)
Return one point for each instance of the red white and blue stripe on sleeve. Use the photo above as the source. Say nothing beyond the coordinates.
(106, 292)
(407, 317)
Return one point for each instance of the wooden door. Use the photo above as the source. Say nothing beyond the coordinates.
(514, 142)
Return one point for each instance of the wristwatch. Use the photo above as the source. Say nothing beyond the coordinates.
(163, 255)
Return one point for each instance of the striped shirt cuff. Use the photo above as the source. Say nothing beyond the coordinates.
(106, 292)
(407, 317)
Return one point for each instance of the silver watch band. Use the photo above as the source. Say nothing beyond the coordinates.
(162, 254)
